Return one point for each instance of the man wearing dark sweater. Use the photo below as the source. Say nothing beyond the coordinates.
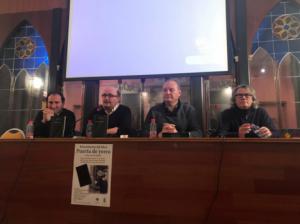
(54, 120)
(119, 116)
(172, 117)
(245, 118)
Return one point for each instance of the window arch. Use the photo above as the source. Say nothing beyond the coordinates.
(23, 57)
(274, 63)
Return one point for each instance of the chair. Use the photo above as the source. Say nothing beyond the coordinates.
(13, 133)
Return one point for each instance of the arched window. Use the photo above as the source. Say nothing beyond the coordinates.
(274, 64)
(23, 61)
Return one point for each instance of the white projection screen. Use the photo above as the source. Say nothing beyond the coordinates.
(140, 38)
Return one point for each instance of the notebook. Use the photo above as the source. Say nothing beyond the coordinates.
(57, 126)
(100, 125)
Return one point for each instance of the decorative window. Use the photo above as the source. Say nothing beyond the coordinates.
(274, 64)
(23, 60)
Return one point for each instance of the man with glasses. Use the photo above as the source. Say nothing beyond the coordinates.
(173, 117)
(119, 116)
(245, 118)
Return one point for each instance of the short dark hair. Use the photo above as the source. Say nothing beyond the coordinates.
(56, 93)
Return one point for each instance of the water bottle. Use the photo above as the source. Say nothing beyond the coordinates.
(29, 130)
(89, 129)
(153, 130)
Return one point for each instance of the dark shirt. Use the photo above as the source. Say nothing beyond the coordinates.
(120, 118)
(233, 118)
(43, 129)
(183, 116)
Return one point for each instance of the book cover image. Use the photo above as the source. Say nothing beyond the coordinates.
(92, 175)
(83, 175)
(100, 125)
(100, 179)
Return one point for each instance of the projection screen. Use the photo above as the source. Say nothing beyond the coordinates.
(140, 38)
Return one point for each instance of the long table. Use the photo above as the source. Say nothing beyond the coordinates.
(156, 181)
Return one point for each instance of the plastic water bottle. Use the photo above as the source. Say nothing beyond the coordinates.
(153, 130)
(29, 130)
(89, 129)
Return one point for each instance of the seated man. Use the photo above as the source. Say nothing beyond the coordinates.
(245, 118)
(43, 123)
(172, 116)
(119, 116)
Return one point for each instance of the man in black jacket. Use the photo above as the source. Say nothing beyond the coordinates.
(173, 117)
(119, 116)
(54, 120)
(245, 118)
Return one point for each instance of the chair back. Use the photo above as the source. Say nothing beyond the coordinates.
(13, 133)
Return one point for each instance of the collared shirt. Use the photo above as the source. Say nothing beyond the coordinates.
(175, 109)
(119, 117)
(113, 110)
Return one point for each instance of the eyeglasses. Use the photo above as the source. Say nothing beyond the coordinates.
(241, 95)
(109, 95)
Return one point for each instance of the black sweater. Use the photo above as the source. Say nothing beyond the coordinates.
(43, 129)
(120, 118)
(184, 117)
(233, 118)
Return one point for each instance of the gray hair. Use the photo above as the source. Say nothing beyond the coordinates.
(173, 80)
(251, 90)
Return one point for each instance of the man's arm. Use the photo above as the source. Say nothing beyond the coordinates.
(125, 123)
(40, 129)
(267, 126)
(229, 124)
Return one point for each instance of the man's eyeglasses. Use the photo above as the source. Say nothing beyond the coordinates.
(109, 95)
(241, 95)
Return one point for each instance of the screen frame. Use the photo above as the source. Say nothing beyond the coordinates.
(229, 71)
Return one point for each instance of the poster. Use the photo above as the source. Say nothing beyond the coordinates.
(92, 174)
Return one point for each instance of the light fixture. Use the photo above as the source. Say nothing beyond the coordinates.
(37, 83)
(227, 91)
(144, 94)
(263, 70)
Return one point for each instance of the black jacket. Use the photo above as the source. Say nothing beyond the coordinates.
(120, 118)
(184, 117)
(43, 129)
(233, 118)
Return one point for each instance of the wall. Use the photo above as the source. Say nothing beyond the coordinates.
(16, 6)
(38, 13)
